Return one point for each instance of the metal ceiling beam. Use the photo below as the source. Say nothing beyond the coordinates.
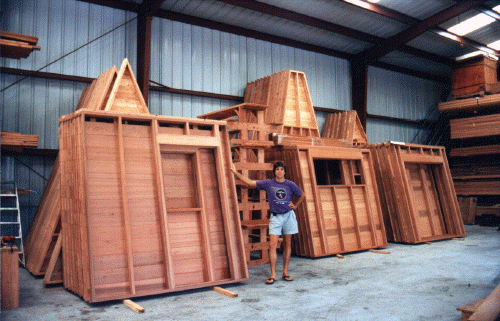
(145, 13)
(149, 7)
(302, 19)
(403, 18)
(174, 16)
(382, 48)
(329, 26)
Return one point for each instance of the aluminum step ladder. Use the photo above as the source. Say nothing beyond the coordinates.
(10, 215)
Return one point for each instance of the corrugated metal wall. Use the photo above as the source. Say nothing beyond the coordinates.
(183, 57)
(201, 59)
(401, 96)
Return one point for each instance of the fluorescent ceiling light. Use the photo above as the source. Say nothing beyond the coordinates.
(359, 3)
(497, 8)
(471, 24)
(448, 35)
(495, 45)
(476, 53)
(375, 1)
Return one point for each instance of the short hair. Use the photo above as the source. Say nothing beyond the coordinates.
(279, 164)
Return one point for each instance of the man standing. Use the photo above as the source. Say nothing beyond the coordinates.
(282, 221)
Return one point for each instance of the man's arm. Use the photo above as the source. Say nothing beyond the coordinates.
(299, 200)
(247, 181)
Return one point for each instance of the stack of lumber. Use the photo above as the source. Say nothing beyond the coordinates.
(474, 130)
(249, 138)
(16, 46)
(285, 140)
(475, 127)
(42, 246)
(17, 142)
(342, 211)
(290, 105)
(475, 177)
(475, 75)
(345, 126)
(147, 203)
(478, 126)
(418, 197)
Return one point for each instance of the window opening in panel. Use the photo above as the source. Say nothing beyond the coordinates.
(328, 171)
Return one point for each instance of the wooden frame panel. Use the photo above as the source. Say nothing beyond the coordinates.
(339, 218)
(121, 211)
(416, 186)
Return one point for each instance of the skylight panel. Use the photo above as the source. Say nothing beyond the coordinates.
(471, 24)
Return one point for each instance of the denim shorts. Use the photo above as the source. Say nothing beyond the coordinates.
(283, 224)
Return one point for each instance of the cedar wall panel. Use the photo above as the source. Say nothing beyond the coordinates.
(341, 212)
(148, 208)
(417, 193)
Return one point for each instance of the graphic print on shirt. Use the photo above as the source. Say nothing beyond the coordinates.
(280, 194)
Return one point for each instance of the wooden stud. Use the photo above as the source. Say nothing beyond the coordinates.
(379, 251)
(225, 292)
(125, 209)
(134, 306)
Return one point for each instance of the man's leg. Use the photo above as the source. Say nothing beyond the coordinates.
(287, 252)
(273, 257)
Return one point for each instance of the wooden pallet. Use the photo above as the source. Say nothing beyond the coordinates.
(290, 106)
(249, 138)
(342, 210)
(346, 126)
(418, 196)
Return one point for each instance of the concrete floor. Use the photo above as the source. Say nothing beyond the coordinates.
(414, 282)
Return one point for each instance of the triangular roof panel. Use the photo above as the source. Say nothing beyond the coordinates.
(126, 95)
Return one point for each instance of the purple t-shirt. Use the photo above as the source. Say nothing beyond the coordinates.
(279, 194)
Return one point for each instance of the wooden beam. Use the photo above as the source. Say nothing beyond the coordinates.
(225, 292)
(134, 306)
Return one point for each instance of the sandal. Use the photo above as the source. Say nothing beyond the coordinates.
(270, 281)
(287, 278)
